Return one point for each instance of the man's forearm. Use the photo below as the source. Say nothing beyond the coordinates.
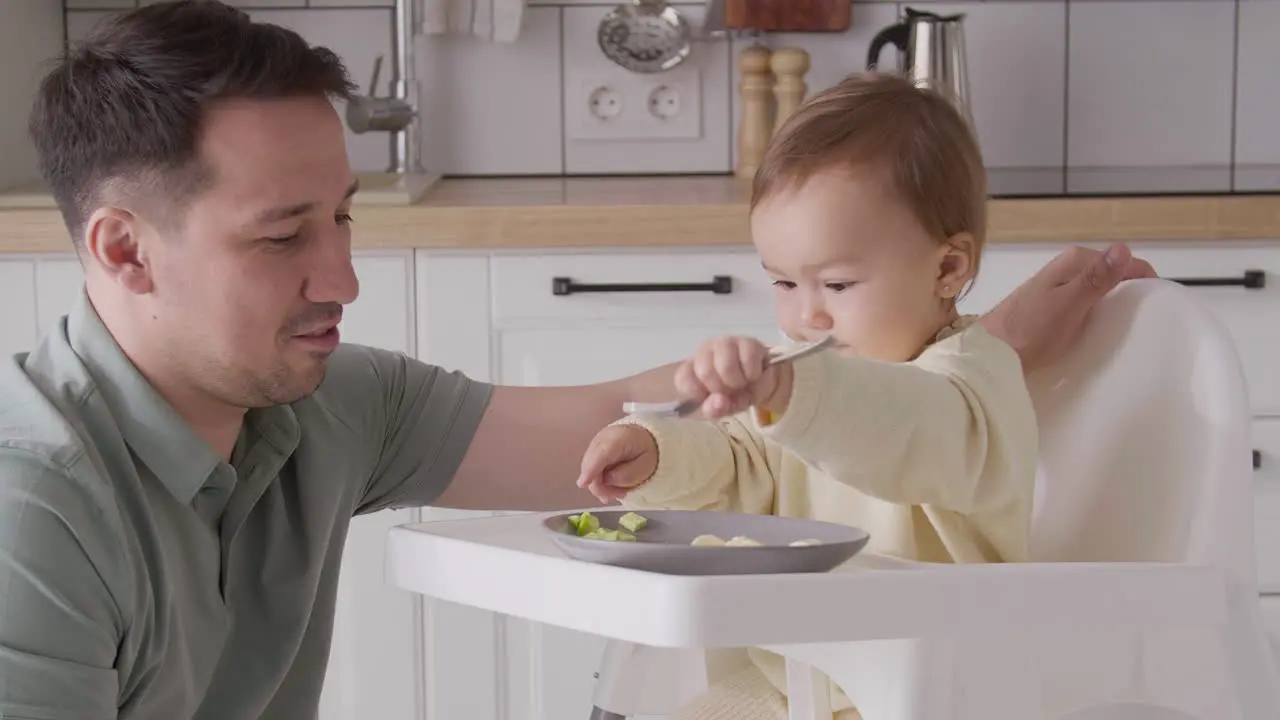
(528, 449)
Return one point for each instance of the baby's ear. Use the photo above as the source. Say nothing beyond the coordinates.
(957, 261)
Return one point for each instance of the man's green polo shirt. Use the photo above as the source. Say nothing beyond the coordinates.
(142, 577)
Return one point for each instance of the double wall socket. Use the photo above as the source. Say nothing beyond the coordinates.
(631, 106)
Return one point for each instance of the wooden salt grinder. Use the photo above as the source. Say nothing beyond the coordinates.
(754, 126)
(789, 68)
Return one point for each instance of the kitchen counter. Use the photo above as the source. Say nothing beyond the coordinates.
(689, 211)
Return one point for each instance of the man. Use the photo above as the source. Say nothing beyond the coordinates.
(180, 457)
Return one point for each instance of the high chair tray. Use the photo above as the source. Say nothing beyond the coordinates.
(508, 564)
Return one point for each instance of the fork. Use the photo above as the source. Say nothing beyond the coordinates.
(683, 408)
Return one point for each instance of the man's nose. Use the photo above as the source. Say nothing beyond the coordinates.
(334, 277)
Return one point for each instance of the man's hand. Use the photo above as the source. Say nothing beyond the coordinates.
(1046, 314)
(620, 458)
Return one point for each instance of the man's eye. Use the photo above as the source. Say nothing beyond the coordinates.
(283, 240)
(345, 219)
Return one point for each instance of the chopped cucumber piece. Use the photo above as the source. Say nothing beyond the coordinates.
(587, 523)
(573, 522)
(632, 522)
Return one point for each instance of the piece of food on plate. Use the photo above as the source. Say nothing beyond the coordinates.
(607, 534)
(707, 541)
(805, 543)
(741, 541)
(632, 522)
(584, 523)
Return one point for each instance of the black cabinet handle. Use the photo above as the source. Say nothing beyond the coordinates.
(1257, 459)
(719, 285)
(1250, 280)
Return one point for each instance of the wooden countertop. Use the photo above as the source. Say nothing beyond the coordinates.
(692, 211)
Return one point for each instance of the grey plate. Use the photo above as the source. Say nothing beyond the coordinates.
(663, 545)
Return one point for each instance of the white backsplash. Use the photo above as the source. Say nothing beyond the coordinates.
(1094, 96)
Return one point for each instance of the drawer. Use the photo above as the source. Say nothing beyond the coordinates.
(1266, 503)
(523, 287)
(1252, 316)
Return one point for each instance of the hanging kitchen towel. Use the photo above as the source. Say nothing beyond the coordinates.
(491, 20)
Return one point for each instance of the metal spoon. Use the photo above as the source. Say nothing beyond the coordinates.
(683, 408)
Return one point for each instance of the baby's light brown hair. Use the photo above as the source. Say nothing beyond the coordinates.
(923, 146)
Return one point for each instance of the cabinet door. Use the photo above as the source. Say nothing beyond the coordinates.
(551, 669)
(18, 298)
(374, 665)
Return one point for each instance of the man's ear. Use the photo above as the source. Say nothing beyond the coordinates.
(113, 242)
(957, 260)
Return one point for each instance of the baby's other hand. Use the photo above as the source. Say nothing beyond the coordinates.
(619, 458)
(729, 375)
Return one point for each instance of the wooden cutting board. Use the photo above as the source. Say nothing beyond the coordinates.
(788, 15)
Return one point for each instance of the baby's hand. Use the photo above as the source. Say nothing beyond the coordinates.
(619, 458)
(730, 375)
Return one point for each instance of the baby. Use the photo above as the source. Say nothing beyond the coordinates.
(869, 213)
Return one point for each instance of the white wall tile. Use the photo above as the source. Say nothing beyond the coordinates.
(358, 36)
(31, 34)
(353, 3)
(1149, 102)
(80, 22)
(1137, 111)
(1017, 74)
(494, 108)
(585, 66)
(98, 4)
(1257, 152)
(832, 56)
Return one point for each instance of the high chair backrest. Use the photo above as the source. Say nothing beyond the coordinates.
(1144, 438)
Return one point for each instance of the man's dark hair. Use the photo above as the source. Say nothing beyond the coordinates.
(121, 111)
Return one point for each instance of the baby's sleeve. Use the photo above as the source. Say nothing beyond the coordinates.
(954, 428)
(724, 465)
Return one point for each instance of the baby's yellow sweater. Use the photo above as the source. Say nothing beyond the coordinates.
(935, 458)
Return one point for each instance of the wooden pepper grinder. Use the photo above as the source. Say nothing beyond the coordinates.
(789, 67)
(755, 91)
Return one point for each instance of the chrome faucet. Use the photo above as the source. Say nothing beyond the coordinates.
(394, 113)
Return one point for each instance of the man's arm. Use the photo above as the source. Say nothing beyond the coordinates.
(528, 449)
(59, 624)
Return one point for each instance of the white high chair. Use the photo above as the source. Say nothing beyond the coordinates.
(1144, 457)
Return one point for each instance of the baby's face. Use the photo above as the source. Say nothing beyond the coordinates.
(847, 258)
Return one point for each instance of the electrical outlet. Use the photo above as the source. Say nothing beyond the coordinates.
(631, 106)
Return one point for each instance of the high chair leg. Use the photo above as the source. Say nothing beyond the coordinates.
(598, 714)
(807, 695)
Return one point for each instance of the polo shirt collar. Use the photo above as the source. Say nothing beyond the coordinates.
(162, 440)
